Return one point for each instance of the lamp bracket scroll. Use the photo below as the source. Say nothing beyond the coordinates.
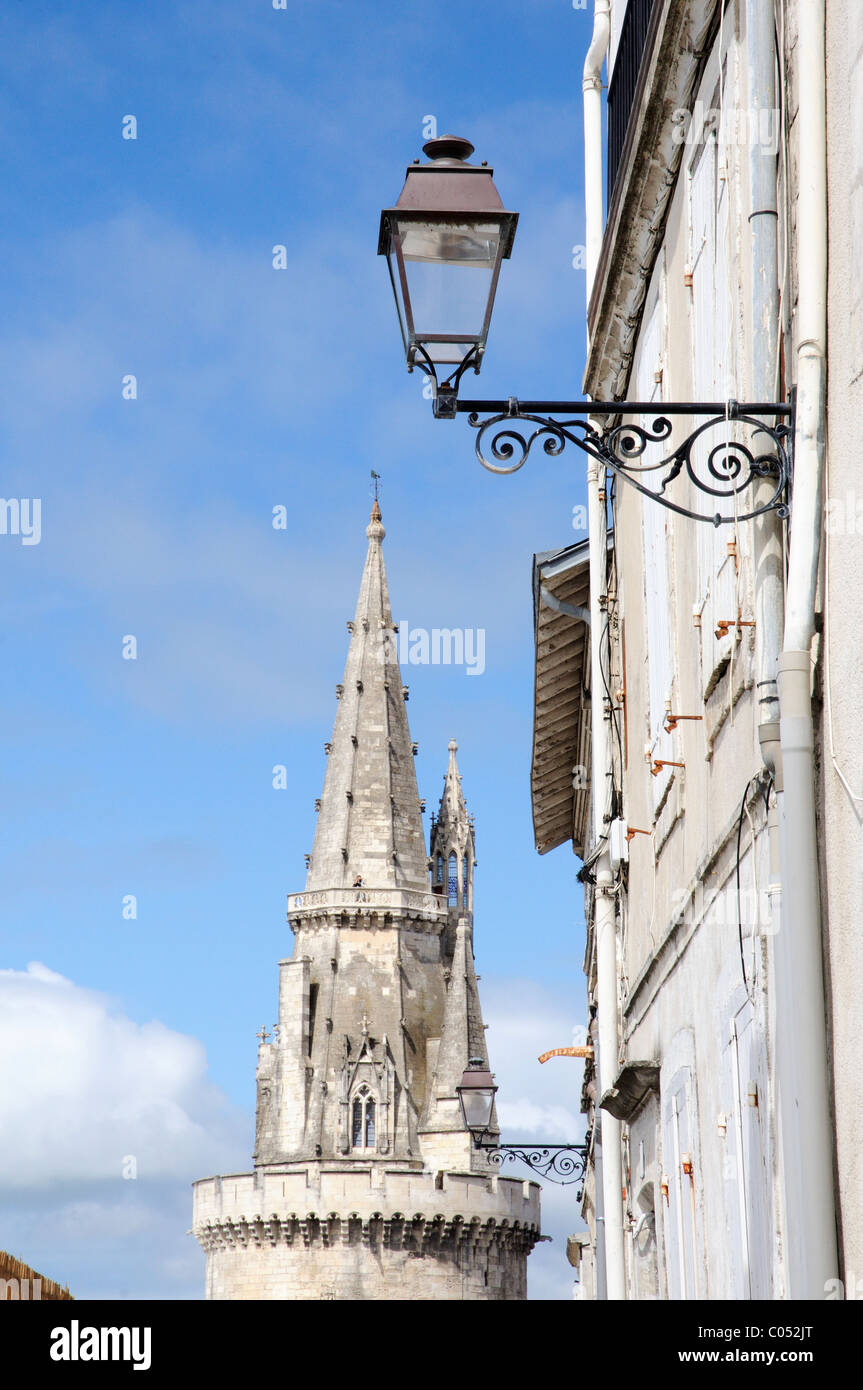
(735, 447)
(559, 1163)
(445, 240)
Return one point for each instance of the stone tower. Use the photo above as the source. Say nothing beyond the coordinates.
(366, 1185)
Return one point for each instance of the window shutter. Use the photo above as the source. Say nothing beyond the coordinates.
(751, 1096)
(712, 326)
(681, 1242)
(655, 535)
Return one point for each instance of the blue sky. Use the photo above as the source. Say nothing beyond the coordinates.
(256, 388)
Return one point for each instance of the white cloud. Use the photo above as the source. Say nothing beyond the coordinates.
(544, 1121)
(535, 1100)
(89, 1088)
(539, 1101)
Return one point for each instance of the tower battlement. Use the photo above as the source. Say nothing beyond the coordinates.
(363, 1233)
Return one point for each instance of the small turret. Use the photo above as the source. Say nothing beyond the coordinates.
(452, 851)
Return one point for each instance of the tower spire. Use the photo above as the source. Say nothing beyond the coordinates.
(452, 846)
(367, 1183)
(370, 825)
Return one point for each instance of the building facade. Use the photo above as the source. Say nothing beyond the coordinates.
(727, 663)
(366, 1182)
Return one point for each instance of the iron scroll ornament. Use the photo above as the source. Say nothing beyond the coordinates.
(559, 1163)
(723, 470)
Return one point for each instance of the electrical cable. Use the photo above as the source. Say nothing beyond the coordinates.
(739, 912)
(613, 711)
(757, 899)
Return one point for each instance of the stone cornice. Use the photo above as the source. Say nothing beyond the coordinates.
(367, 908)
(682, 33)
(420, 1232)
(242, 1204)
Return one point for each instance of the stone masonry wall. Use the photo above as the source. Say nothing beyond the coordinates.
(365, 1234)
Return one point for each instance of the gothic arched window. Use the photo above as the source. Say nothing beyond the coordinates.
(452, 885)
(439, 878)
(363, 1120)
(465, 879)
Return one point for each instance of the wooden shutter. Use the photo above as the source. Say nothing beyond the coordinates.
(748, 1184)
(682, 1265)
(655, 523)
(712, 326)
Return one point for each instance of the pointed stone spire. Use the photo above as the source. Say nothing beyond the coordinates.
(370, 825)
(452, 848)
(452, 801)
(462, 1031)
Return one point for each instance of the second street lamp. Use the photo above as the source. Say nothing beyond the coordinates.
(445, 241)
(560, 1163)
(476, 1092)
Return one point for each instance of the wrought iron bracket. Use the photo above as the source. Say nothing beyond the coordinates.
(736, 445)
(445, 402)
(559, 1163)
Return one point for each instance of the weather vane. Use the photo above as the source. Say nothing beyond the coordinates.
(376, 477)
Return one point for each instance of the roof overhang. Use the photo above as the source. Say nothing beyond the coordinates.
(560, 799)
(633, 1084)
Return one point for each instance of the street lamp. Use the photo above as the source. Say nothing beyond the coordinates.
(476, 1093)
(444, 241)
(560, 1163)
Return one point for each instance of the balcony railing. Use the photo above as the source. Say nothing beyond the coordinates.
(624, 81)
(360, 897)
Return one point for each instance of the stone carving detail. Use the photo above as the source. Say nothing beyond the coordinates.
(422, 1234)
(367, 1061)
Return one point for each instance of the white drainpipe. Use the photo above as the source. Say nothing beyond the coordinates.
(604, 897)
(763, 225)
(591, 87)
(802, 1055)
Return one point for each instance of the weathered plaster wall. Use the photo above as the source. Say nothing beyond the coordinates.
(841, 816)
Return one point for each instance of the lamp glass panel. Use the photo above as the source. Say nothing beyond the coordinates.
(393, 263)
(476, 1104)
(449, 269)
